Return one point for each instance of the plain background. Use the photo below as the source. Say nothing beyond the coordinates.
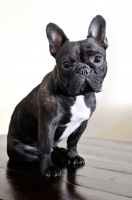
(24, 48)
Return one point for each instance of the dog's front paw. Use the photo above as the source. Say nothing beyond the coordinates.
(51, 172)
(76, 161)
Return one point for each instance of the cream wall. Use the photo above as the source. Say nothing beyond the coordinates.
(24, 54)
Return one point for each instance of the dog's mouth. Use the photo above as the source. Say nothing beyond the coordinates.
(82, 89)
(81, 83)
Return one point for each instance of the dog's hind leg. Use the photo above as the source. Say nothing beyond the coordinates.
(22, 152)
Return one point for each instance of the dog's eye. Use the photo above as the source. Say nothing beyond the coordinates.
(97, 59)
(66, 65)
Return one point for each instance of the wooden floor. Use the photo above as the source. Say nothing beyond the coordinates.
(107, 175)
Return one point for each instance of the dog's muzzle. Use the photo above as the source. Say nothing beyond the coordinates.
(89, 75)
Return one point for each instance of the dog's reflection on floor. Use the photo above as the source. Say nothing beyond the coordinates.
(26, 182)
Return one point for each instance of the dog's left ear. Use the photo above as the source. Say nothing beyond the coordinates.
(56, 37)
(97, 30)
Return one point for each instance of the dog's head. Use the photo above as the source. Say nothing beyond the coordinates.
(80, 66)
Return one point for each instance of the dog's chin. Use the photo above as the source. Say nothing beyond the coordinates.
(82, 90)
(81, 87)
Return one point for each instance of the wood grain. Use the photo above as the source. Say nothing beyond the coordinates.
(107, 175)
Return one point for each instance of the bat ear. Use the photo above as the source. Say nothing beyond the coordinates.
(56, 37)
(97, 30)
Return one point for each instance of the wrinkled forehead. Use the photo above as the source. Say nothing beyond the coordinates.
(91, 44)
(69, 51)
(72, 50)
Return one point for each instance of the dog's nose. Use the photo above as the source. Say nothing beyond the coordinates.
(84, 71)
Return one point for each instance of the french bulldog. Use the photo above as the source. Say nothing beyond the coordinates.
(62, 104)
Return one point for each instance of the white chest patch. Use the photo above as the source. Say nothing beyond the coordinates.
(80, 113)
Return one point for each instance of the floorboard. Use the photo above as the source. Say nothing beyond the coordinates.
(107, 175)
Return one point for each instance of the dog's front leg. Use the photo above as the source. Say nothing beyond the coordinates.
(73, 158)
(45, 143)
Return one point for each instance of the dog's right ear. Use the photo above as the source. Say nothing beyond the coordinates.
(56, 37)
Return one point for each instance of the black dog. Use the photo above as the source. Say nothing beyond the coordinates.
(62, 104)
